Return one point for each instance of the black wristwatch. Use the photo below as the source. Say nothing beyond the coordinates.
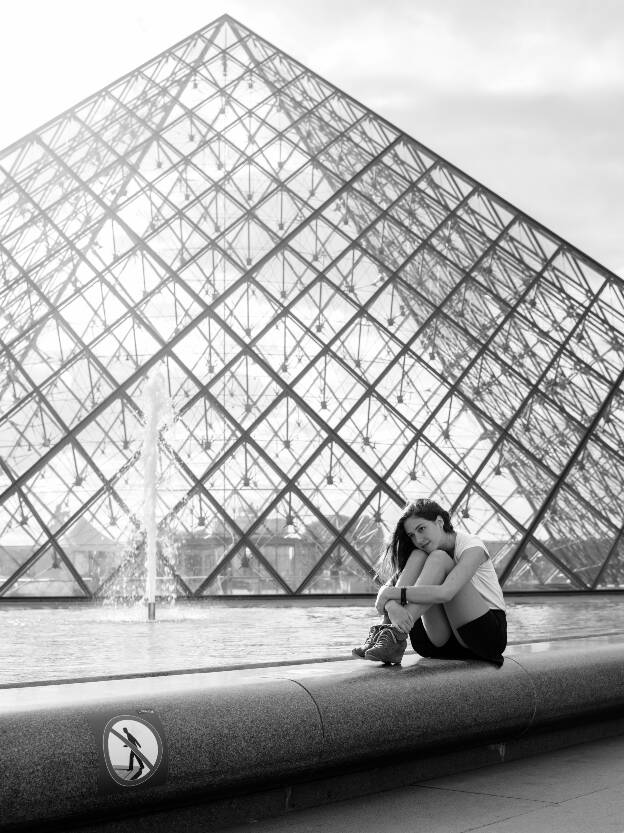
(403, 596)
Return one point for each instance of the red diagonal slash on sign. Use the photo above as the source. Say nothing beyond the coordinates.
(132, 746)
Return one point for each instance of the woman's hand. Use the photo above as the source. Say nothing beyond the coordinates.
(385, 594)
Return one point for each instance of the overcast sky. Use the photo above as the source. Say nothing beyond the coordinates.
(527, 96)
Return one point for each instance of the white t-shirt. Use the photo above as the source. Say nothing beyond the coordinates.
(485, 579)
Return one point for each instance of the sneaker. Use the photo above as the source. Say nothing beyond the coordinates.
(389, 647)
(370, 640)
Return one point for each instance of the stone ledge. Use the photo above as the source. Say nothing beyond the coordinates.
(230, 735)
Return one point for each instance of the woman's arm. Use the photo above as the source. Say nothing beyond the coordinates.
(470, 560)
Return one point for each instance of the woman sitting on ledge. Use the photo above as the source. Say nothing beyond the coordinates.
(443, 591)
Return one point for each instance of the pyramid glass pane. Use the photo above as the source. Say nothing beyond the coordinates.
(343, 319)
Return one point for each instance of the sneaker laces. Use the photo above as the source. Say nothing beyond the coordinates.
(390, 634)
(372, 635)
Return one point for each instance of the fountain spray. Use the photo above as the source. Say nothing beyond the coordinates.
(157, 410)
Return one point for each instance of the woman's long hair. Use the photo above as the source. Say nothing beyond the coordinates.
(399, 548)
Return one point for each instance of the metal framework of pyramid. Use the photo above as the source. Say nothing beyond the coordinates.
(344, 320)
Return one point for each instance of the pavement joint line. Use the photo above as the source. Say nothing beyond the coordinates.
(532, 810)
(585, 795)
(491, 795)
(529, 811)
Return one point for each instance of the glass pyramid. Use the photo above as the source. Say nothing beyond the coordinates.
(344, 321)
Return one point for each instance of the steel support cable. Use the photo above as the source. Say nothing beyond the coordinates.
(77, 428)
(280, 183)
(84, 351)
(141, 244)
(216, 26)
(454, 466)
(50, 542)
(217, 133)
(79, 255)
(120, 299)
(236, 25)
(72, 113)
(182, 333)
(546, 396)
(21, 481)
(247, 349)
(560, 346)
(517, 371)
(535, 387)
(606, 563)
(106, 488)
(215, 464)
(534, 224)
(483, 351)
(554, 490)
(249, 429)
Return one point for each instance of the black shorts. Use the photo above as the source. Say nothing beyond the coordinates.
(486, 638)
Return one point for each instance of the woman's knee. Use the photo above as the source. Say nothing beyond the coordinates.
(442, 559)
(417, 556)
(413, 567)
(437, 567)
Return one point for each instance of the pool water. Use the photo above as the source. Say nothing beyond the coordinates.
(77, 642)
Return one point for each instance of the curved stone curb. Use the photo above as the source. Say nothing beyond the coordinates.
(229, 733)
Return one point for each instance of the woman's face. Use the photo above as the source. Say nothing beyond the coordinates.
(424, 535)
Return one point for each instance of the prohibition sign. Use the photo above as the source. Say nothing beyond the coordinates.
(133, 749)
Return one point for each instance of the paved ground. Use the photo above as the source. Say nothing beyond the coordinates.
(574, 790)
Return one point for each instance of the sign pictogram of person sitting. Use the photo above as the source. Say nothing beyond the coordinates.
(133, 740)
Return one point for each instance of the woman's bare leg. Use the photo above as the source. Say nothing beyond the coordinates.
(435, 621)
(466, 605)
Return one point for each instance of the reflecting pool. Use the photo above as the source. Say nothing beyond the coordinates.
(66, 642)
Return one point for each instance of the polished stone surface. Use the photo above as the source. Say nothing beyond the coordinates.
(423, 704)
(590, 678)
(249, 730)
(215, 733)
